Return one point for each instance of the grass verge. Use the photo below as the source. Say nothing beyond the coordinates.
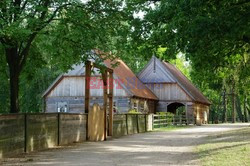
(227, 149)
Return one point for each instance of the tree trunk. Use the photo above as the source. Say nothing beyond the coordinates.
(233, 106)
(13, 63)
(14, 92)
(224, 107)
(245, 109)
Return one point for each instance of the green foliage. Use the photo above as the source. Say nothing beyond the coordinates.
(134, 111)
(214, 37)
(166, 115)
(49, 37)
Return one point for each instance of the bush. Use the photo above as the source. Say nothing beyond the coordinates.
(166, 115)
(133, 111)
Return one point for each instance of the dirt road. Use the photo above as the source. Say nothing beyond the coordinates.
(153, 148)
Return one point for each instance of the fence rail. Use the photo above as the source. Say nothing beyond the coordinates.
(165, 120)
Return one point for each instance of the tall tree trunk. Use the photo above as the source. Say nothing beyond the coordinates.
(224, 107)
(12, 59)
(245, 109)
(233, 105)
(14, 91)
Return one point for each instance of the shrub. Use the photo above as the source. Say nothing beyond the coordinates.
(166, 115)
(133, 111)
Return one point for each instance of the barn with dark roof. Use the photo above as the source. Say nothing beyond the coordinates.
(174, 90)
(67, 92)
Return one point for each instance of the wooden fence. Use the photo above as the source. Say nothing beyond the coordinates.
(125, 124)
(21, 133)
(165, 120)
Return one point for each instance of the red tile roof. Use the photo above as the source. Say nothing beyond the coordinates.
(130, 80)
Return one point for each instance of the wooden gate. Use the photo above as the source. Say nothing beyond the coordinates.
(107, 73)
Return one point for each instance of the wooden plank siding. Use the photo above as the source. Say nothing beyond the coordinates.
(169, 92)
(75, 86)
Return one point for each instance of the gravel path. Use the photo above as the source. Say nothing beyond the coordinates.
(153, 148)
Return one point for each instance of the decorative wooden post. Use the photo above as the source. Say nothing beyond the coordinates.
(110, 97)
(87, 85)
(105, 102)
(187, 117)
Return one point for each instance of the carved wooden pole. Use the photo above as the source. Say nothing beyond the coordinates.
(105, 102)
(110, 96)
(87, 85)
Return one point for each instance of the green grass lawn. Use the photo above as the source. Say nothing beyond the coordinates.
(227, 149)
(171, 128)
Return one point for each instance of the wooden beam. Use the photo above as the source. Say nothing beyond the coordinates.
(87, 85)
(110, 96)
(105, 102)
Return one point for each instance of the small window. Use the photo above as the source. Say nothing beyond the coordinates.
(142, 107)
(62, 107)
(114, 107)
(135, 105)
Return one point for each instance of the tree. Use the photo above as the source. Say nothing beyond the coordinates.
(71, 28)
(213, 35)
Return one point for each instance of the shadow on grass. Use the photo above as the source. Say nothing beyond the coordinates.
(228, 148)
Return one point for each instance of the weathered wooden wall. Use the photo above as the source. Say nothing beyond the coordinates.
(142, 123)
(75, 86)
(76, 104)
(132, 124)
(200, 111)
(42, 131)
(33, 132)
(125, 124)
(169, 92)
(142, 105)
(119, 125)
(72, 128)
(11, 135)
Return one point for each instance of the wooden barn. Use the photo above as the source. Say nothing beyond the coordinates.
(67, 92)
(174, 90)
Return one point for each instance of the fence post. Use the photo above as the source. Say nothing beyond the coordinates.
(180, 120)
(137, 117)
(25, 132)
(166, 120)
(127, 123)
(146, 123)
(87, 126)
(153, 117)
(58, 129)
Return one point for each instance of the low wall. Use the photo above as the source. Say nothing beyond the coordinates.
(72, 128)
(124, 124)
(32, 132)
(132, 124)
(41, 132)
(11, 135)
(119, 125)
(21, 133)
